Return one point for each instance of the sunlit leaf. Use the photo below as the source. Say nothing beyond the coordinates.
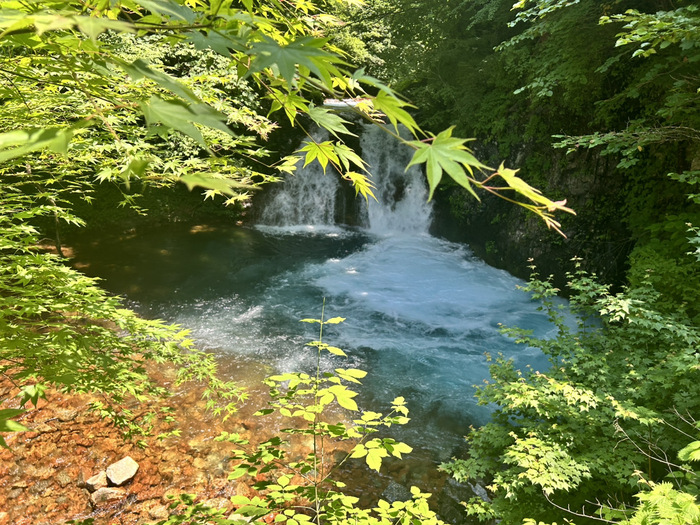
(690, 452)
(182, 117)
(323, 152)
(172, 9)
(16, 144)
(213, 182)
(393, 108)
(446, 153)
(348, 156)
(329, 121)
(362, 184)
(9, 425)
(283, 59)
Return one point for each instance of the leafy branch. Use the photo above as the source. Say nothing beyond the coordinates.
(275, 50)
(304, 490)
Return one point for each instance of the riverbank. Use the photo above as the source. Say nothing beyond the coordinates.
(44, 474)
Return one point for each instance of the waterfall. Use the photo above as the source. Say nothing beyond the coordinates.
(312, 198)
(306, 198)
(402, 196)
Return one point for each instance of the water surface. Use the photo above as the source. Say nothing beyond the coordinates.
(421, 312)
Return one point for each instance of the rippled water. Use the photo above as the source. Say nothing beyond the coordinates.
(420, 312)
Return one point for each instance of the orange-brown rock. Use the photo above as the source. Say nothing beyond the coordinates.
(105, 495)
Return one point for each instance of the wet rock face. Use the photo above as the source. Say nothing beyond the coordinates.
(508, 237)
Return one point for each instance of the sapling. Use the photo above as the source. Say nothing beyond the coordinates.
(296, 491)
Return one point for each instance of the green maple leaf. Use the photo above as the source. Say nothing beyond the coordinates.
(362, 184)
(321, 151)
(348, 156)
(446, 153)
(530, 193)
(392, 107)
(691, 452)
(20, 142)
(213, 182)
(181, 116)
(290, 102)
(329, 121)
(9, 425)
(307, 52)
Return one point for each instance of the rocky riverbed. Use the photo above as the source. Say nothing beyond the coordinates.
(44, 475)
(54, 472)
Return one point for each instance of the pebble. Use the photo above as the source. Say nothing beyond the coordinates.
(97, 481)
(107, 495)
(159, 512)
(122, 471)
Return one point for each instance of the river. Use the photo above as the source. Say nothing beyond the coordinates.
(421, 312)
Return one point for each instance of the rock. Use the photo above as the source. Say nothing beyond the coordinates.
(45, 473)
(217, 503)
(63, 479)
(480, 492)
(107, 495)
(159, 512)
(44, 428)
(97, 481)
(171, 495)
(40, 487)
(122, 471)
(396, 492)
(242, 489)
(66, 414)
(82, 441)
(449, 500)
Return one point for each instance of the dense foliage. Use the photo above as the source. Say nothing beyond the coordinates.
(596, 101)
(609, 416)
(142, 95)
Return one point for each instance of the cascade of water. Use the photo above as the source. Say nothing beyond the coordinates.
(311, 197)
(402, 197)
(308, 198)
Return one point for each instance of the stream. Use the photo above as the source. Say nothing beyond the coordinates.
(421, 312)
